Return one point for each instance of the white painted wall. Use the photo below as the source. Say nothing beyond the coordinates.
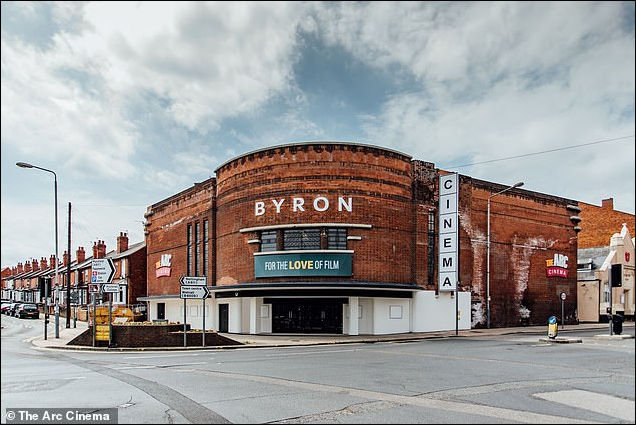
(235, 315)
(365, 322)
(265, 316)
(432, 313)
(194, 312)
(383, 323)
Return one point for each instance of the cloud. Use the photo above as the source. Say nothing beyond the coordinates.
(205, 61)
(501, 79)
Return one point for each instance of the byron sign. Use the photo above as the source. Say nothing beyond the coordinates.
(299, 205)
(302, 264)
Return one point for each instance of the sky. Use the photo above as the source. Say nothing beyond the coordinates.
(132, 102)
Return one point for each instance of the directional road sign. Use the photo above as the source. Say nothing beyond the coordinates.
(110, 288)
(193, 280)
(102, 270)
(194, 292)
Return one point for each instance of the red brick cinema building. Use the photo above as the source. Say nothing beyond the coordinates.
(346, 238)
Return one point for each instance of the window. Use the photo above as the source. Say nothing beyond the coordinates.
(197, 241)
(205, 248)
(606, 293)
(336, 238)
(395, 312)
(431, 248)
(189, 265)
(301, 239)
(268, 241)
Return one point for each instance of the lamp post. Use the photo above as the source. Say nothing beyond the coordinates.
(488, 252)
(46, 289)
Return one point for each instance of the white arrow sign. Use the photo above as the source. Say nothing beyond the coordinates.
(102, 270)
(110, 288)
(194, 291)
(193, 280)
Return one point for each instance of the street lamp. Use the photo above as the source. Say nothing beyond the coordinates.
(488, 252)
(46, 289)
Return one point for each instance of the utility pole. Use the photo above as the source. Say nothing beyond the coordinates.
(68, 273)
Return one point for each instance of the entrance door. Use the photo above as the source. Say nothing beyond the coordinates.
(307, 316)
(224, 317)
(161, 311)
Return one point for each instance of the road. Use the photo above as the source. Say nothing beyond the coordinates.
(481, 379)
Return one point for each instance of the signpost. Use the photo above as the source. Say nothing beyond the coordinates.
(193, 287)
(563, 296)
(110, 288)
(102, 272)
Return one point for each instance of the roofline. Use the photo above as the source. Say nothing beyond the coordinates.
(183, 192)
(523, 192)
(309, 143)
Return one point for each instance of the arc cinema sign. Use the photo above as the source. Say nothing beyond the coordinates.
(448, 232)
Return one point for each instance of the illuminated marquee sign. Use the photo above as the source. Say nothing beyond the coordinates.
(557, 266)
(301, 264)
(163, 266)
(298, 205)
(448, 232)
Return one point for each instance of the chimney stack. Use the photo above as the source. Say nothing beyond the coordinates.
(122, 242)
(99, 249)
(20, 268)
(27, 266)
(65, 258)
(43, 264)
(80, 254)
(608, 203)
(52, 261)
(35, 265)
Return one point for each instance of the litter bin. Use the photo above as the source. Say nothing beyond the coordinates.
(617, 323)
(553, 327)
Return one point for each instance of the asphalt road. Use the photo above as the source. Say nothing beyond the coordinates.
(485, 379)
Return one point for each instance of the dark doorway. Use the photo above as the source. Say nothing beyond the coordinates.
(307, 316)
(224, 317)
(161, 311)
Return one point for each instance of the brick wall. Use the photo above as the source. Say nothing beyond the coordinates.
(377, 180)
(393, 194)
(527, 228)
(153, 336)
(600, 223)
(166, 227)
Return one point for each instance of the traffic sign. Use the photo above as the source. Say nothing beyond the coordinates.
(102, 270)
(563, 295)
(193, 280)
(110, 288)
(194, 292)
(93, 288)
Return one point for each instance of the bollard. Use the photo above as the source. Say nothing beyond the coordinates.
(553, 327)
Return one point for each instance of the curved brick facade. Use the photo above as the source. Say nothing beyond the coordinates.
(378, 181)
(384, 207)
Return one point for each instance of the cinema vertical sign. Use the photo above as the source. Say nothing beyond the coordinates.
(448, 232)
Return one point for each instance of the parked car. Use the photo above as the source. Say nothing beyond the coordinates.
(28, 311)
(14, 309)
(5, 307)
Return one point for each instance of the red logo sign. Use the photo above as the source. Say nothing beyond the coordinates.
(163, 271)
(556, 272)
(627, 257)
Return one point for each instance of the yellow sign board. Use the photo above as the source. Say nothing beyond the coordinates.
(101, 333)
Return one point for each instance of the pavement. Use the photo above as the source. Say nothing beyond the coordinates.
(288, 340)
